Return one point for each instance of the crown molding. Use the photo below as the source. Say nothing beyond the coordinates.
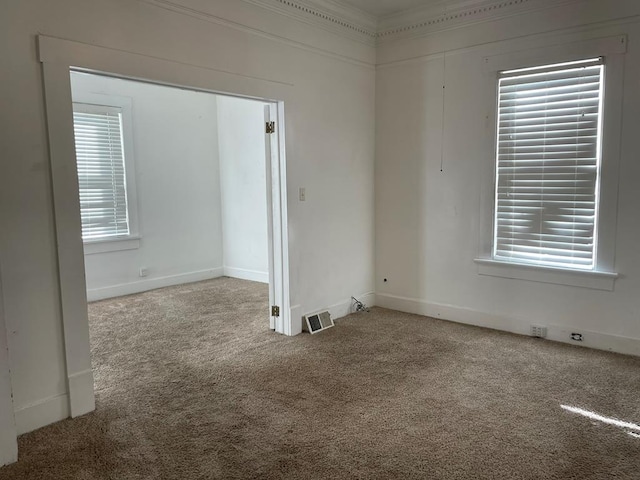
(438, 15)
(331, 15)
(181, 7)
(342, 19)
(445, 15)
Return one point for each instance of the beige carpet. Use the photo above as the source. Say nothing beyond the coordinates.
(192, 385)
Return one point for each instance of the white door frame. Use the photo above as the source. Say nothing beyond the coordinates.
(58, 58)
(8, 433)
(276, 198)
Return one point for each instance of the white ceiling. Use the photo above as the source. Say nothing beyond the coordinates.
(381, 8)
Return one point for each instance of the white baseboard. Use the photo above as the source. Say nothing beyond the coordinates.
(51, 410)
(597, 340)
(344, 308)
(8, 435)
(337, 311)
(152, 283)
(254, 276)
(42, 413)
(455, 314)
(296, 319)
(519, 325)
(8, 450)
(82, 394)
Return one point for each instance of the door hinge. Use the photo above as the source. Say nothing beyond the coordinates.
(271, 127)
(275, 311)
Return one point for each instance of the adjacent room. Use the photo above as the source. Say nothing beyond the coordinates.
(172, 185)
(173, 193)
(451, 185)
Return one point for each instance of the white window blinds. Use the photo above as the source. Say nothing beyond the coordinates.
(101, 171)
(547, 164)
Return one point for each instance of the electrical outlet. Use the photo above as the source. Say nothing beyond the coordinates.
(539, 331)
(144, 271)
(576, 337)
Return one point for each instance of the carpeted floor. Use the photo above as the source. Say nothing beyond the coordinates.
(192, 385)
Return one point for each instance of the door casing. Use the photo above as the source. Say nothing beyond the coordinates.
(58, 58)
(8, 434)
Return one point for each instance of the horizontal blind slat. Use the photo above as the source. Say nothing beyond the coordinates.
(101, 172)
(547, 165)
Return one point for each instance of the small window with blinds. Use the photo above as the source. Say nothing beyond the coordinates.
(548, 160)
(101, 171)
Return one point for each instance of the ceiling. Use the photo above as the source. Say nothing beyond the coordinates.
(381, 8)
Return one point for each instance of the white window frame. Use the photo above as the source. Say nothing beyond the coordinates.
(125, 105)
(603, 276)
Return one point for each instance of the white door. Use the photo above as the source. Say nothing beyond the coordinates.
(274, 218)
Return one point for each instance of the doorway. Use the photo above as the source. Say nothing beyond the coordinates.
(172, 184)
(59, 57)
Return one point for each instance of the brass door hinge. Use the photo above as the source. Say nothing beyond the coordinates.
(271, 127)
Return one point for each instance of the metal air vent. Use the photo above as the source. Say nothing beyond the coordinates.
(318, 322)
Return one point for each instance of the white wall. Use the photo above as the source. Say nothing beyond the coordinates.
(241, 140)
(330, 150)
(429, 223)
(175, 158)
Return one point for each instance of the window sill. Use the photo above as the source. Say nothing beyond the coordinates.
(94, 247)
(535, 273)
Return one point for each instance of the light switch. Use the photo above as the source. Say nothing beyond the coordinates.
(303, 194)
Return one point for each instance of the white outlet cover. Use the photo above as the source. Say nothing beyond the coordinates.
(538, 331)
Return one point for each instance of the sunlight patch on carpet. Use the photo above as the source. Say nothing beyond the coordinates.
(607, 420)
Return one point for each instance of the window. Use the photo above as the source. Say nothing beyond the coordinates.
(102, 177)
(548, 165)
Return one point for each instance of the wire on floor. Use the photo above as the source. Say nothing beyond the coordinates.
(358, 306)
